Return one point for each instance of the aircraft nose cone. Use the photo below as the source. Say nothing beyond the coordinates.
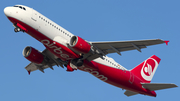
(7, 11)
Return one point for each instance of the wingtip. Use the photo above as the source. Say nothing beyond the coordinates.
(167, 41)
(175, 85)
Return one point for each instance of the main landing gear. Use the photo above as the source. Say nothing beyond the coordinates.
(18, 28)
(77, 62)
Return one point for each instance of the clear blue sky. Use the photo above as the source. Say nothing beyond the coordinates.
(93, 20)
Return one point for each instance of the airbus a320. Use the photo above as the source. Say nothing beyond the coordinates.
(73, 52)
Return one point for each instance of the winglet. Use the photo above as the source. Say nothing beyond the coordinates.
(166, 42)
(29, 72)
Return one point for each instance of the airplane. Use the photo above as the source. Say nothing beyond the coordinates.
(73, 52)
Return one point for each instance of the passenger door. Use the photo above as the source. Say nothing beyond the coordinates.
(34, 15)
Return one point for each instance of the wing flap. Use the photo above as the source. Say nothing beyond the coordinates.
(126, 45)
(158, 86)
(33, 67)
(130, 93)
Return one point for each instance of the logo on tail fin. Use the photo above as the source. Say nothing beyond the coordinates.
(149, 68)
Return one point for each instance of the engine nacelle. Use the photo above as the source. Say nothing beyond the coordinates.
(80, 44)
(33, 55)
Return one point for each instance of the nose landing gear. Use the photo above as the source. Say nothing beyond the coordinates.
(17, 29)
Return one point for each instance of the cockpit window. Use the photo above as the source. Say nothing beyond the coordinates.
(21, 7)
(24, 8)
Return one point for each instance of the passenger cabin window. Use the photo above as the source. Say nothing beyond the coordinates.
(53, 25)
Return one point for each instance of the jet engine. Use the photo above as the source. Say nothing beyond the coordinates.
(79, 44)
(33, 55)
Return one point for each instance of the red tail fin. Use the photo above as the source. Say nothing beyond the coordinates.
(146, 69)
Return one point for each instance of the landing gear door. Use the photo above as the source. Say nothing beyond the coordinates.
(34, 15)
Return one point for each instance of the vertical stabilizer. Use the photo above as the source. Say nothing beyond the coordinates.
(145, 71)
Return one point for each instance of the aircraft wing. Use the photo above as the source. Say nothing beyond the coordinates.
(52, 60)
(120, 46)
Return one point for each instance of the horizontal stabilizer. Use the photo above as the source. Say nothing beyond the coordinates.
(158, 86)
(130, 93)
